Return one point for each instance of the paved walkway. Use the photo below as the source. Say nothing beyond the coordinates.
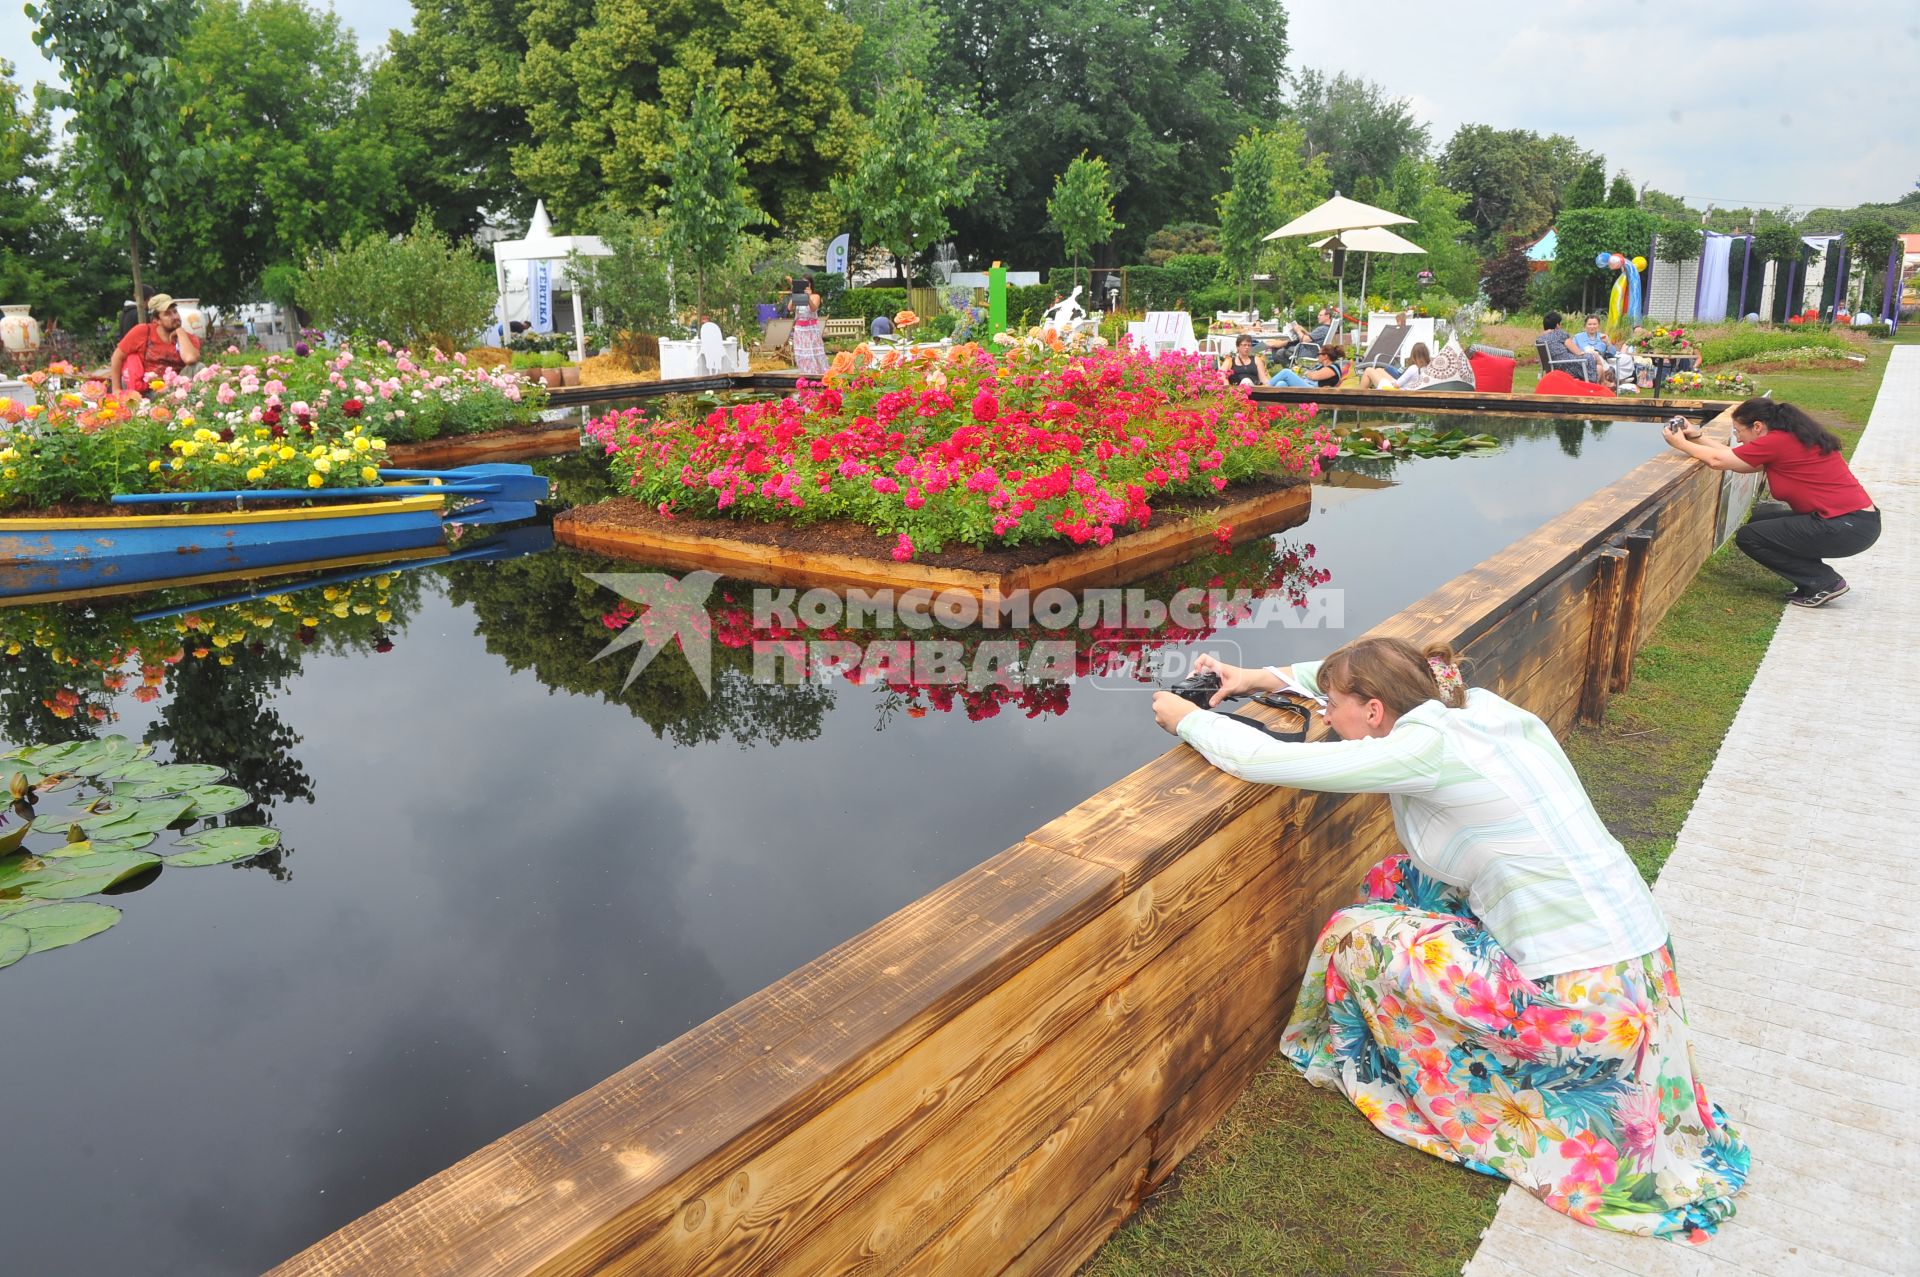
(1794, 925)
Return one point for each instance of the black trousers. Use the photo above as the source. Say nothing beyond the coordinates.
(1797, 545)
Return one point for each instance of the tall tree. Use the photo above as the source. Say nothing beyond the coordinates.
(1589, 186)
(1361, 130)
(898, 38)
(708, 201)
(118, 59)
(1269, 182)
(1081, 208)
(1870, 243)
(49, 259)
(911, 172)
(1513, 179)
(292, 161)
(1414, 190)
(1620, 194)
(1158, 88)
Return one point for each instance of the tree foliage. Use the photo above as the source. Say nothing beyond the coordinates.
(1777, 242)
(1620, 194)
(911, 172)
(1271, 181)
(1159, 90)
(276, 91)
(1589, 186)
(1181, 238)
(1677, 241)
(1582, 234)
(1508, 275)
(1081, 207)
(50, 259)
(1513, 179)
(416, 290)
(708, 202)
(1361, 130)
(118, 59)
(1870, 243)
(898, 39)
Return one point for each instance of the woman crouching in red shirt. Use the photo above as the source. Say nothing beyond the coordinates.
(1819, 510)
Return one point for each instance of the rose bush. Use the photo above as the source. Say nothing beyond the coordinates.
(960, 446)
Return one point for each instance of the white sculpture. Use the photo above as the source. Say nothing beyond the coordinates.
(1063, 314)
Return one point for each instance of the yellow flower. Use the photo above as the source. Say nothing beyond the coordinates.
(361, 445)
(226, 659)
(175, 464)
(11, 473)
(286, 453)
(331, 593)
(263, 433)
(219, 640)
(255, 474)
(340, 454)
(379, 445)
(383, 616)
(14, 649)
(361, 609)
(153, 465)
(314, 480)
(369, 473)
(322, 465)
(309, 621)
(341, 608)
(188, 448)
(201, 436)
(186, 418)
(34, 409)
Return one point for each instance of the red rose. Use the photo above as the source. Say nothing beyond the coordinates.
(226, 434)
(352, 407)
(271, 416)
(277, 431)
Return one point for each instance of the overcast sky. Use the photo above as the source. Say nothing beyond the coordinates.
(1762, 103)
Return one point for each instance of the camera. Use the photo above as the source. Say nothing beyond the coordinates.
(1198, 688)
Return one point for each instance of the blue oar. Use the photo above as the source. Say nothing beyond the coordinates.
(507, 545)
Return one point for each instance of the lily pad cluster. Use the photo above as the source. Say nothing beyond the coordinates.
(94, 811)
(1412, 441)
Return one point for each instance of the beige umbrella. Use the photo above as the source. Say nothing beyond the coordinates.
(1371, 240)
(1335, 216)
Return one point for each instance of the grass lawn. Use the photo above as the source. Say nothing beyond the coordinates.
(1293, 1180)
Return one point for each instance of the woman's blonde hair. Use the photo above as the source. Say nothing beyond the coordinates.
(1395, 673)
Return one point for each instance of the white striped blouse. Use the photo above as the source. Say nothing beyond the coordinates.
(1483, 799)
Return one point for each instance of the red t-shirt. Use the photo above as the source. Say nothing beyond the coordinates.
(1808, 480)
(154, 350)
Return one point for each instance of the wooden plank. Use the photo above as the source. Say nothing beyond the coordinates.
(1126, 558)
(1603, 607)
(566, 1191)
(1084, 1227)
(1632, 588)
(552, 441)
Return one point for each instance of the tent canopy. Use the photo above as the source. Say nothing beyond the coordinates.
(542, 245)
(1372, 239)
(1336, 215)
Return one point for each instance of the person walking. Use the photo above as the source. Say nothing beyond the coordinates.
(1819, 510)
(1504, 994)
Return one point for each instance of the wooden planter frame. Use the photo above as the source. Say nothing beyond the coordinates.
(459, 450)
(991, 1079)
(1125, 558)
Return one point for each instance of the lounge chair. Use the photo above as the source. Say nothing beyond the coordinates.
(777, 340)
(1385, 348)
(1577, 365)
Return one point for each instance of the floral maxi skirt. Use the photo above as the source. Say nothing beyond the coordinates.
(1579, 1087)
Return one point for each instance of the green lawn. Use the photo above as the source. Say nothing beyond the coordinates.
(1293, 1181)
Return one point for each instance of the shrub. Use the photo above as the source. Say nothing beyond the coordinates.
(420, 290)
(1744, 343)
(1027, 305)
(865, 303)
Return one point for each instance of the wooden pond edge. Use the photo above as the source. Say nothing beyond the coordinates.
(991, 1079)
(1124, 559)
(1619, 408)
(501, 445)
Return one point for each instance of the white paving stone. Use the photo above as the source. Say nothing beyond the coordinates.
(1793, 916)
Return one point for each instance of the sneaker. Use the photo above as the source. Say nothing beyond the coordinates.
(1819, 598)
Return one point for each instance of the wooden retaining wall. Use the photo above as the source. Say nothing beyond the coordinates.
(504, 445)
(990, 1080)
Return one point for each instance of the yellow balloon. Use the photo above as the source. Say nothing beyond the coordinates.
(1639, 263)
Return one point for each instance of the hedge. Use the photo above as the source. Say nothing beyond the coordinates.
(865, 303)
(1748, 342)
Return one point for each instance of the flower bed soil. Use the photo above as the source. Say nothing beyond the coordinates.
(841, 553)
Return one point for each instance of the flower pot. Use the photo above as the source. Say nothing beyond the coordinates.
(192, 318)
(552, 378)
(19, 331)
(570, 375)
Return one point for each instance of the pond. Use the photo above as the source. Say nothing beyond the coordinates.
(503, 878)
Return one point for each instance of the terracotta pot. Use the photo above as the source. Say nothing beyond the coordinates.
(192, 318)
(552, 378)
(19, 331)
(570, 375)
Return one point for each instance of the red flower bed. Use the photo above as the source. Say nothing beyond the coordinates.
(968, 448)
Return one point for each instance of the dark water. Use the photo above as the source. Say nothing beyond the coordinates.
(503, 879)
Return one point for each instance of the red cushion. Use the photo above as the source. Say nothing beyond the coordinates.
(1492, 373)
(1565, 383)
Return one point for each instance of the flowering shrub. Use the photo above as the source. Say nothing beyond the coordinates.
(318, 420)
(1732, 384)
(958, 446)
(1670, 341)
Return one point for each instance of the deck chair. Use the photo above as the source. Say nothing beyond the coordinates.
(1385, 347)
(777, 340)
(1165, 330)
(1577, 366)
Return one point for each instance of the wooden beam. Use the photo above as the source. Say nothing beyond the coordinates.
(1637, 545)
(504, 445)
(1603, 605)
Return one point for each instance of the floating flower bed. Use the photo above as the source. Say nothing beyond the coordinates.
(318, 420)
(960, 447)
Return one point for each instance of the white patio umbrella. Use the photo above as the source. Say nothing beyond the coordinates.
(1334, 217)
(1370, 240)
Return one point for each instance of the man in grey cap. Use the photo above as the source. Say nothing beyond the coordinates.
(150, 348)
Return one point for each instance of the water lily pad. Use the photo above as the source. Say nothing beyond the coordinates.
(221, 846)
(71, 877)
(215, 800)
(14, 944)
(133, 817)
(58, 820)
(110, 756)
(10, 839)
(56, 926)
(174, 778)
(94, 846)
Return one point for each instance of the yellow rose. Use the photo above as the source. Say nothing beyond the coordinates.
(188, 448)
(339, 454)
(361, 445)
(152, 466)
(383, 616)
(321, 465)
(369, 473)
(331, 593)
(226, 660)
(314, 481)
(11, 473)
(175, 464)
(361, 609)
(286, 453)
(309, 621)
(186, 418)
(256, 474)
(341, 609)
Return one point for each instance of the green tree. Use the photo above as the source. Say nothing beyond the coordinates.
(1870, 243)
(1513, 179)
(1589, 186)
(118, 59)
(1269, 182)
(708, 202)
(275, 90)
(1620, 194)
(1181, 238)
(1158, 89)
(1413, 189)
(417, 290)
(49, 258)
(1584, 233)
(1081, 208)
(898, 38)
(911, 172)
(1362, 131)
(1677, 242)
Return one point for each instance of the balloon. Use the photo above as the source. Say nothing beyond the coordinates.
(1601, 260)
(1617, 262)
(1639, 263)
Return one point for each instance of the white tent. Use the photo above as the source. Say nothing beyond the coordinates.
(542, 245)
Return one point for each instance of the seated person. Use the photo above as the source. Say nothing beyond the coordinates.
(153, 348)
(1600, 351)
(1331, 372)
(881, 326)
(1562, 355)
(1295, 334)
(1243, 367)
(1412, 378)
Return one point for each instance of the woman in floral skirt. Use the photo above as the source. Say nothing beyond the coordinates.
(1503, 995)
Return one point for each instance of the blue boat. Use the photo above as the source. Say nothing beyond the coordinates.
(51, 557)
